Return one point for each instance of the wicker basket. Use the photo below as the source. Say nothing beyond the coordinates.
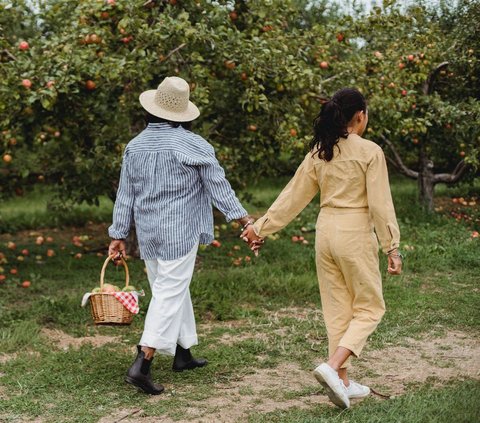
(106, 309)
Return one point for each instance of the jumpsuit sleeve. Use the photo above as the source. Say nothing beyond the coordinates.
(123, 209)
(292, 200)
(380, 203)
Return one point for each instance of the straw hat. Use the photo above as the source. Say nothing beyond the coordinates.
(170, 101)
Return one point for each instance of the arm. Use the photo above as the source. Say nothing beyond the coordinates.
(122, 211)
(223, 196)
(380, 203)
(291, 201)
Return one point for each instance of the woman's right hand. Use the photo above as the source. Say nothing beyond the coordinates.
(254, 241)
(394, 263)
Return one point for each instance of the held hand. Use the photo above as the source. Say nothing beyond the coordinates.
(394, 264)
(117, 249)
(254, 242)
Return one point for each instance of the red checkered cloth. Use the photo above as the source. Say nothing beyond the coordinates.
(129, 301)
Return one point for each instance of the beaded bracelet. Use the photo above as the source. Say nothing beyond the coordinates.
(399, 255)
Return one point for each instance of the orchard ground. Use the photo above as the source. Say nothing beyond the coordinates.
(259, 322)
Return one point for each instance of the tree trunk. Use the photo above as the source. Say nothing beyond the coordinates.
(426, 182)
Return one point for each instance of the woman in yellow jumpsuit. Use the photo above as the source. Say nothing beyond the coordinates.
(355, 200)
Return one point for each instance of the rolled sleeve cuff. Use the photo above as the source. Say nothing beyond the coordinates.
(115, 234)
(236, 213)
(392, 246)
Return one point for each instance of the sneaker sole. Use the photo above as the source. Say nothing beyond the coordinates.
(359, 396)
(137, 385)
(334, 397)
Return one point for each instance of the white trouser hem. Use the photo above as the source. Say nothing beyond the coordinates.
(188, 341)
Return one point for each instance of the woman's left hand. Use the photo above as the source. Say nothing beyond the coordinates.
(395, 264)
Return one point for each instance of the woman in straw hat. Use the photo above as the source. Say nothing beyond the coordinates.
(351, 174)
(169, 180)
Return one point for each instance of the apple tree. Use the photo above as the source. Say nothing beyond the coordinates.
(422, 84)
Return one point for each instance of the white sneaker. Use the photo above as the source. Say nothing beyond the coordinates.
(355, 390)
(336, 391)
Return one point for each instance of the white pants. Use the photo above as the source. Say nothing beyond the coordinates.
(170, 319)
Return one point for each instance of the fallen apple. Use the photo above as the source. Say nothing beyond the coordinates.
(23, 45)
(26, 284)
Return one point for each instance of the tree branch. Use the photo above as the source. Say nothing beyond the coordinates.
(9, 54)
(428, 85)
(174, 51)
(451, 178)
(398, 162)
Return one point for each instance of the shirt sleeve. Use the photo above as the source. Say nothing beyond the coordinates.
(292, 200)
(380, 203)
(123, 209)
(220, 190)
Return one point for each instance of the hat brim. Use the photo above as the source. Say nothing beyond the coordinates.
(147, 100)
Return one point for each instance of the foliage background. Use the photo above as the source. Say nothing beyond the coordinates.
(259, 71)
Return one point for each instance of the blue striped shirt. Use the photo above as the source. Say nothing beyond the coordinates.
(169, 180)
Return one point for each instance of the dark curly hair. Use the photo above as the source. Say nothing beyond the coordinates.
(331, 123)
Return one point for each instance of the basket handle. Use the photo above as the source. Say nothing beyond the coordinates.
(102, 273)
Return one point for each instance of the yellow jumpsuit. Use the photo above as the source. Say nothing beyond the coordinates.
(355, 199)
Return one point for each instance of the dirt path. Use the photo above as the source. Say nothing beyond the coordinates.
(455, 355)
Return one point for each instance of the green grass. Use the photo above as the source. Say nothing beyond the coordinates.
(34, 211)
(436, 293)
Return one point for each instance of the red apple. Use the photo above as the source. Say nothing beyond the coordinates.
(26, 284)
(216, 243)
(340, 37)
(324, 64)
(49, 239)
(27, 83)
(111, 2)
(404, 92)
(40, 240)
(252, 128)
(294, 238)
(229, 64)
(410, 57)
(25, 252)
(7, 158)
(462, 153)
(401, 65)
(50, 84)
(293, 132)
(2, 278)
(13, 271)
(233, 15)
(23, 45)
(90, 85)
(50, 253)
(243, 76)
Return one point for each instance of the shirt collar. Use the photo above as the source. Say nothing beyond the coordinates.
(159, 125)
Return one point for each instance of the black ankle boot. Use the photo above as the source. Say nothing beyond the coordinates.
(140, 376)
(184, 360)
